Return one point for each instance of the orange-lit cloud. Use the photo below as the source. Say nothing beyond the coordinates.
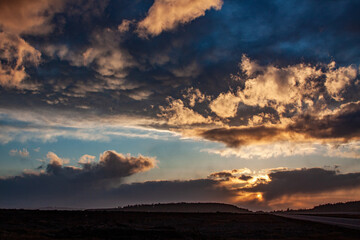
(306, 201)
(177, 114)
(15, 50)
(304, 181)
(340, 126)
(289, 188)
(22, 17)
(194, 95)
(29, 17)
(338, 79)
(165, 15)
(225, 105)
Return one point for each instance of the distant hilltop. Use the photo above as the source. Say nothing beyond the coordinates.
(338, 207)
(353, 206)
(185, 207)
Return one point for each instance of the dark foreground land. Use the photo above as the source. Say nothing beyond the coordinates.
(25, 224)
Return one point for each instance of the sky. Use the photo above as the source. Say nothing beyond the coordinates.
(249, 102)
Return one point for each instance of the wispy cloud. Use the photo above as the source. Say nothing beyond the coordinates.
(165, 15)
(24, 153)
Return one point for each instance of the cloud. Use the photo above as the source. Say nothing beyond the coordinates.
(225, 105)
(104, 54)
(274, 104)
(24, 153)
(337, 126)
(305, 181)
(288, 149)
(274, 86)
(235, 137)
(340, 124)
(60, 184)
(86, 159)
(29, 17)
(222, 176)
(99, 184)
(165, 15)
(55, 160)
(198, 190)
(194, 95)
(113, 164)
(177, 114)
(106, 57)
(140, 94)
(15, 55)
(125, 25)
(338, 79)
(48, 125)
(190, 70)
(278, 149)
(297, 86)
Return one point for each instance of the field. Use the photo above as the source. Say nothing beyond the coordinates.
(26, 224)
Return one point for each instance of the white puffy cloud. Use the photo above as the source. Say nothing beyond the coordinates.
(165, 15)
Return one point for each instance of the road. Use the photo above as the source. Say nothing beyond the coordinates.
(341, 222)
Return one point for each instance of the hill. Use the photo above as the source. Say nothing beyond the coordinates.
(185, 207)
(353, 206)
(338, 207)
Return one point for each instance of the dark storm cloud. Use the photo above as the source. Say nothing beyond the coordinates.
(174, 191)
(59, 183)
(305, 181)
(98, 185)
(245, 177)
(341, 126)
(72, 187)
(226, 176)
(235, 137)
(111, 166)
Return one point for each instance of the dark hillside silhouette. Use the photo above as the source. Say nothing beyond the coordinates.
(338, 207)
(185, 207)
(353, 206)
